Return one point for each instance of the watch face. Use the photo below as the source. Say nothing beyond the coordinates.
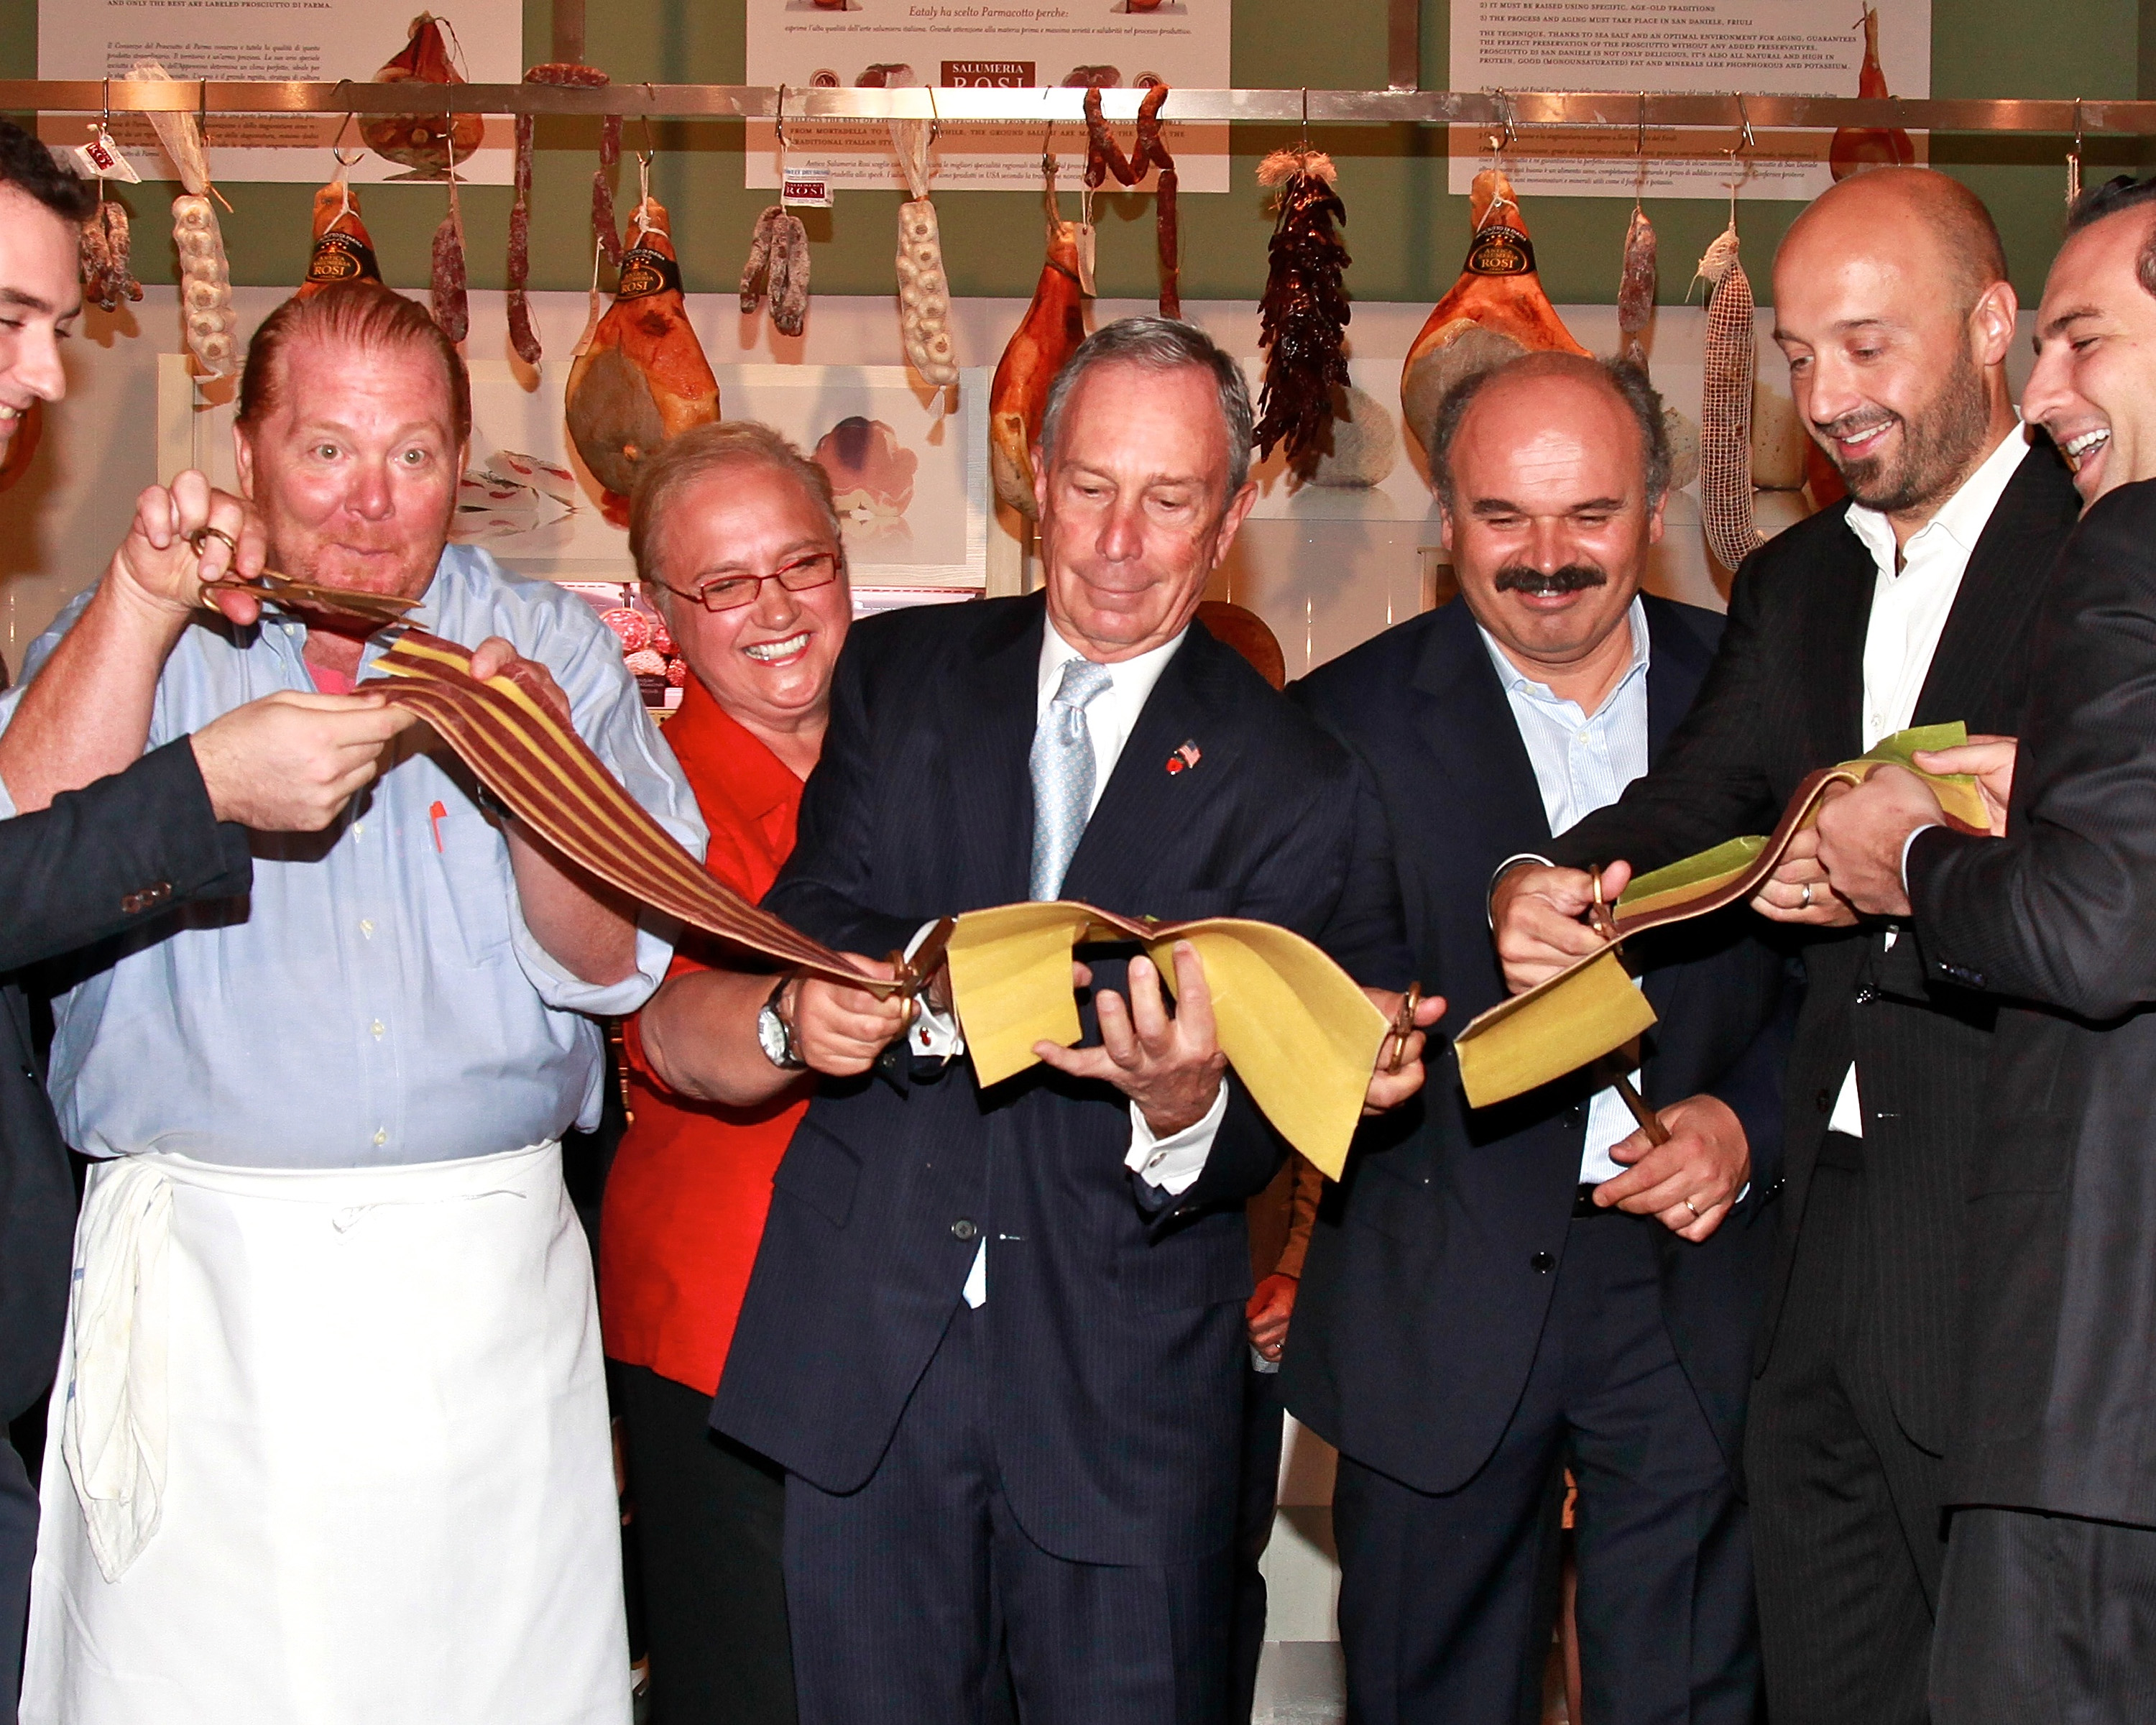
(770, 1035)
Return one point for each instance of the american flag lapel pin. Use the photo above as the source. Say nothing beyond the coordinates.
(1186, 756)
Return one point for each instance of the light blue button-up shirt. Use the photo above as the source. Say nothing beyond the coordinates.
(1583, 762)
(378, 998)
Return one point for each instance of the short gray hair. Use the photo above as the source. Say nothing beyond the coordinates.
(1627, 378)
(703, 449)
(1159, 344)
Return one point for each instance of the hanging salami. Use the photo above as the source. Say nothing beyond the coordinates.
(1105, 157)
(106, 278)
(1635, 289)
(778, 261)
(1302, 321)
(1731, 361)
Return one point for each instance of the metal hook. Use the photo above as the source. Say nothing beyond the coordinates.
(2074, 160)
(1748, 143)
(935, 122)
(1500, 144)
(1639, 133)
(650, 149)
(1305, 116)
(780, 122)
(106, 122)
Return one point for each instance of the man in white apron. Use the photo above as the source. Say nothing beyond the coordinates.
(329, 1441)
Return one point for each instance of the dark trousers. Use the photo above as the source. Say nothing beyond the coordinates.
(900, 1593)
(1844, 1508)
(18, 1545)
(2044, 1620)
(709, 1516)
(1263, 1419)
(1447, 1601)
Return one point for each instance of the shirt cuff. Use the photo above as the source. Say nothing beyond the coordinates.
(1906, 844)
(1175, 1163)
(566, 993)
(934, 1035)
(1499, 873)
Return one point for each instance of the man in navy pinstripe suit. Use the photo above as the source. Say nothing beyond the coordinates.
(995, 1336)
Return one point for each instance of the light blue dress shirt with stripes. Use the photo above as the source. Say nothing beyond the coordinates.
(1583, 762)
(378, 998)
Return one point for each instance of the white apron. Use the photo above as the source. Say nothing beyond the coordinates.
(339, 1454)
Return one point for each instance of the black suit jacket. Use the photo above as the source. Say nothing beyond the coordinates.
(1784, 697)
(1116, 1323)
(2057, 1407)
(1430, 1274)
(99, 860)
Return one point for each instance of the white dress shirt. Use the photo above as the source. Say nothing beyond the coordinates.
(1175, 1163)
(1911, 597)
(1583, 762)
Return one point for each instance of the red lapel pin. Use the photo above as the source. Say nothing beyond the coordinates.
(1185, 758)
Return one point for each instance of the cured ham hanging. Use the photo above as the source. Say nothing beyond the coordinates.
(343, 249)
(1857, 147)
(644, 377)
(1302, 321)
(426, 143)
(1731, 361)
(1046, 337)
(1496, 310)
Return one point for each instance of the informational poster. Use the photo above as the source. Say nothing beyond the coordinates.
(1677, 47)
(316, 41)
(1116, 44)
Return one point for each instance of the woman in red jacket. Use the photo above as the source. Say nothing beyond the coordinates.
(736, 538)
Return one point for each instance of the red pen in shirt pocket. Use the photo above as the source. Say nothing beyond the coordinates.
(434, 814)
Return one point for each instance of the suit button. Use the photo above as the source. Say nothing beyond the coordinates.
(1541, 1263)
(1826, 1100)
(964, 1228)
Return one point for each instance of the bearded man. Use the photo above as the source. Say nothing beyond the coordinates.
(1912, 603)
(330, 1440)
(2048, 1607)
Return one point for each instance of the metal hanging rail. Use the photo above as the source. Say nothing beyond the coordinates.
(1628, 109)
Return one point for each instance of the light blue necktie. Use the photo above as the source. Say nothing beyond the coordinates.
(1063, 774)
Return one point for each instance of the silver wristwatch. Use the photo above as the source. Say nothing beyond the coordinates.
(775, 1036)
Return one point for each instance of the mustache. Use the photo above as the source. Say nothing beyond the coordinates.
(1572, 577)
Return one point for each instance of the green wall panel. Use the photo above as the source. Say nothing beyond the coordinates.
(1406, 232)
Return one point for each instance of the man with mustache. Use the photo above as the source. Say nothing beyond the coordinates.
(330, 1439)
(2047, 1608)
(1912, 604)
(1499, 1296)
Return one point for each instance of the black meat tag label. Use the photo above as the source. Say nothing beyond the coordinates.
(1500, 250)
(645, 273)
(340, 257)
